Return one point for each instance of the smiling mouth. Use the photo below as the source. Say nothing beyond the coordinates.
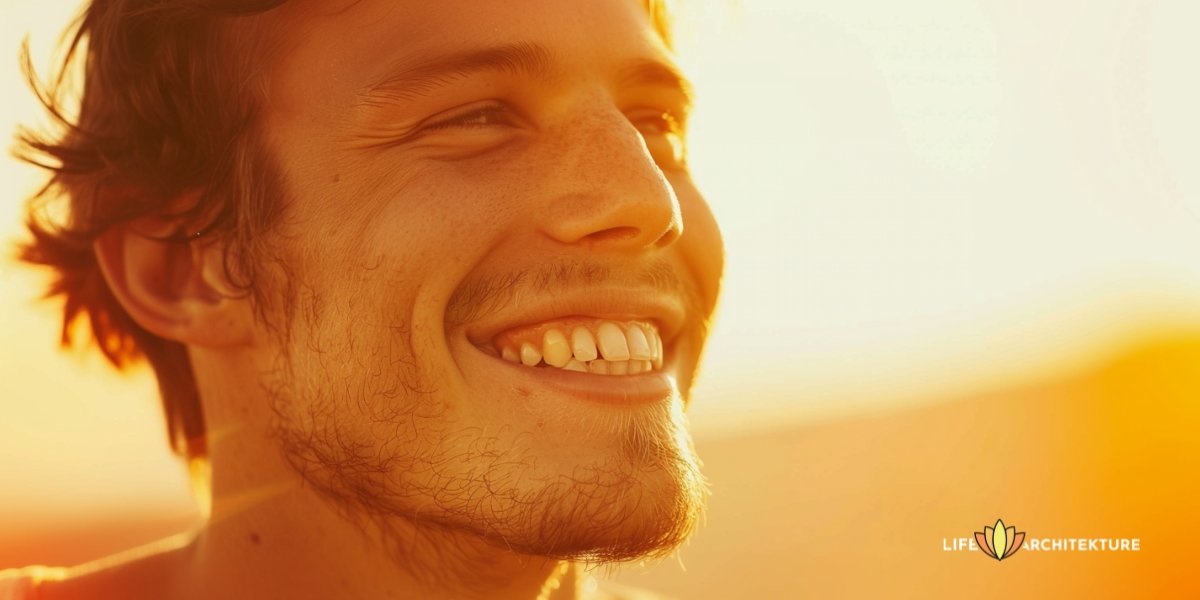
(584, 345)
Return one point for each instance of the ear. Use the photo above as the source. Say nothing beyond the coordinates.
(172, 284)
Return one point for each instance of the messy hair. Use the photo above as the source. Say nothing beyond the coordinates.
(170, 94)
(167, 108)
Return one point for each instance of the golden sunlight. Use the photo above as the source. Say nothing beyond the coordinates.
(937, 214)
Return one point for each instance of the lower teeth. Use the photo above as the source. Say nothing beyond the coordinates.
(603, 367)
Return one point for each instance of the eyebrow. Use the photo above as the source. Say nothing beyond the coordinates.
(520, 58)
(654, 73)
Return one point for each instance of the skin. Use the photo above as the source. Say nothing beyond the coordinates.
(363, 443)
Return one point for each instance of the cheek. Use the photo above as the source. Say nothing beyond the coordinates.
(433, 227)
(702, 244)
(353, 352)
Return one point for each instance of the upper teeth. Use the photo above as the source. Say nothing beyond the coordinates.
(610, 349)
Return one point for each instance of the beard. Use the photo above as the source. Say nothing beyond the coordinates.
(399, 446)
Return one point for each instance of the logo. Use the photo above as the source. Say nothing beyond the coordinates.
(1003, 541)
(999, 542)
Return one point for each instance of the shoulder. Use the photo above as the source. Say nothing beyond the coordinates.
(132, 575)
(27, 583)
(613, 591)
(17, 584)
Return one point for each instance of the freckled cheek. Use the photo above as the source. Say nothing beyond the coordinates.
(475, 203)
(419, 216)
(430, 234)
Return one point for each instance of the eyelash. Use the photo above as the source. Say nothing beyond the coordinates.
(664, 121)
(664, 127)
(463, 120)
(665, 140)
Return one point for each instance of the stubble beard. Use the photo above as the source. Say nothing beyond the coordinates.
(365, 429)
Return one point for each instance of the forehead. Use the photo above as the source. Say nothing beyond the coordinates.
(323, 42)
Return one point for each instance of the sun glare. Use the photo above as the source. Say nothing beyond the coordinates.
(920, 201)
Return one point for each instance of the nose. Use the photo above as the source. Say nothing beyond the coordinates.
(610, 194)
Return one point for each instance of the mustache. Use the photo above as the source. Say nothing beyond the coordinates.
(480, 297)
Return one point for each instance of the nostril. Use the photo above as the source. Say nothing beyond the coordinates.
(614, 234)
(668, 237)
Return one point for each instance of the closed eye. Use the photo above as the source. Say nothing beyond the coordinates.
(664, 134)
(662, 122)
(492, 115)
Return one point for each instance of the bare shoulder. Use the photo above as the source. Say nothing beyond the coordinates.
(614, 591)
(144, 573)
(18, 584)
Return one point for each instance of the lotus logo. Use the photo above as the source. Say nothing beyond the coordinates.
(999, 542)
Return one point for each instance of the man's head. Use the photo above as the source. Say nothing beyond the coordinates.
(451, 250)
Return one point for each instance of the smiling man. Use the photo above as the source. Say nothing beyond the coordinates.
(424, 284)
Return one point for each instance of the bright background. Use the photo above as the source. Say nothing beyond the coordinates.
(963, 283)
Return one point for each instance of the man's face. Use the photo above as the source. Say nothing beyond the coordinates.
(473, 186)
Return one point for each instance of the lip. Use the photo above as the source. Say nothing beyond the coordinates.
(616, 390)
(667, 312)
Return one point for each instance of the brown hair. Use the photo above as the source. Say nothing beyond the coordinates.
(167, 108)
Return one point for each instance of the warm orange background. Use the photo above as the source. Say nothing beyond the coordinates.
(858, 509)
(963, 284)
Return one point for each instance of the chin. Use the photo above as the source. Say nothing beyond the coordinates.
(641, 503)
(647, 521)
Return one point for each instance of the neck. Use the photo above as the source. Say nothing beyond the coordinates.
(271, 534)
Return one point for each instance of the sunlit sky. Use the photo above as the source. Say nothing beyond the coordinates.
(919, 199)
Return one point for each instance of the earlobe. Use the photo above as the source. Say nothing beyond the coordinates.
(173, 288)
